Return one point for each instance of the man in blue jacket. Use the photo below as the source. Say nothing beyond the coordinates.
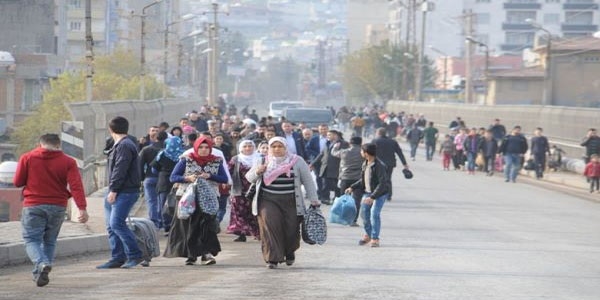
(123, 191)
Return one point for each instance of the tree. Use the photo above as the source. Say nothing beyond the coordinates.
(375, 72)
(116, 78)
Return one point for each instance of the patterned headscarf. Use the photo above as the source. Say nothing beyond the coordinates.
(203, 160)
(173, 148)
(278, 165)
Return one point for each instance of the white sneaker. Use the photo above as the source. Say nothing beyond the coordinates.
(208, 259)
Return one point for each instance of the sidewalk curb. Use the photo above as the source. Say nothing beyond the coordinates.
(13, 254)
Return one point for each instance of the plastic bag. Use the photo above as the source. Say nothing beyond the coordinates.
(343, 210)
(187, 204)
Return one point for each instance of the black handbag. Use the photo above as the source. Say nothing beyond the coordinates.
(171, 202)
(314, 226)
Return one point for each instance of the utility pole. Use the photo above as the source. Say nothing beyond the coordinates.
(425, 7)
(409, 41)
(89, 51)
(143, 50)
(213, 57)
(469, 31)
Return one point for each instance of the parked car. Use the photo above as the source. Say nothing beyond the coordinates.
(311, 116)
(276, 108)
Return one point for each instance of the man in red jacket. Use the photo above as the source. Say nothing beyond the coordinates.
(49, 178)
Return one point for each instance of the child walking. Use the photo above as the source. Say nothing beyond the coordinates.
(447, 150)
(592, 172)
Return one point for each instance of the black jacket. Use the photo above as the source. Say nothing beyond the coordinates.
(123, 172)
(387, 149)
(164, 166)
(592, 145)
(147, 155)
(380, 182)
(514, 144)
(489, 148)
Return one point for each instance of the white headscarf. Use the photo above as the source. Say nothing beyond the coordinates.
(247, 160)
(278, 165)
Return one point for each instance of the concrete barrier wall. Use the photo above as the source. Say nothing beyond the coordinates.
(565, 126)
(141, 115)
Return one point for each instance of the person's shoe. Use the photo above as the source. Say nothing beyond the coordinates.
(289, 259)
(365, 240)
(190, 261)
(271, 265)
(111, 264)
(354, 224)
(208, 259)
(42, 278)
(132, 263)
(374, 243)
(241, 238)
(145, 263)
(506, 180)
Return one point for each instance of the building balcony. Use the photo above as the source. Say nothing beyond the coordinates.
(517, 26)
(580, 6)
(522, 5)
(579, 27)
(514, 47)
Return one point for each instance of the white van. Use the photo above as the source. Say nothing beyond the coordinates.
(276, 108)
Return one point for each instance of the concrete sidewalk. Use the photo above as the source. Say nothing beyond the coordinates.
(74, 239)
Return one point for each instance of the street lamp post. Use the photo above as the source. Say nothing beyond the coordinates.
(143, 50)
(547, 97)
(445, 76)
(470, 39)
(213, 63)
(426, 6)
(166, 51)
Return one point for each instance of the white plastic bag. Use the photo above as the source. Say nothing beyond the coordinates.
(187, 204)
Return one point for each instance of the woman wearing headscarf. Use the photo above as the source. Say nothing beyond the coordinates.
(197, 235)
(241, 220)
(279, 201)
(165, 163)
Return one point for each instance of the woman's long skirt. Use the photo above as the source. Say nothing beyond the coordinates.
(193, 237)
(279, 226)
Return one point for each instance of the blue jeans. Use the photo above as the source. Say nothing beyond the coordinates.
(413, 149)
(471, 160)
(122, 241)
(430, 150)
(512, 165)
(371, 215)
(152, 200)
(166, 218)
(41, 225)
(222, 207)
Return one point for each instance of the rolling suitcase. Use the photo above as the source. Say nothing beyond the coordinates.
(146, 236)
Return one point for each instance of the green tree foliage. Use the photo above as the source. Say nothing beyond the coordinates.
(116, 78)
(375, 72)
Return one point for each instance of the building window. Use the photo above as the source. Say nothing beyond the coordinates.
(580, 1)
(31, 94)
(522, 1)
(482, 1)
(552, 1)
(74, 3)
(591, 59)
(551, 19)
(579, 17)
(483, 19)
(519, 17)
(519, 38)
(75, 26)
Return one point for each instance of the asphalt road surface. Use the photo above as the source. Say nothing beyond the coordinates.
(445, 235)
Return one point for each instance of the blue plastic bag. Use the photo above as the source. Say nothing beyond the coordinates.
(343, 210)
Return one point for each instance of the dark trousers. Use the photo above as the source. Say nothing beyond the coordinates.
(320, 184)
(458, 159)
(594, 181)
(390, 171)
(540, 164)
(356, 194)
(489, 164)
(330, 184)
(430, 150)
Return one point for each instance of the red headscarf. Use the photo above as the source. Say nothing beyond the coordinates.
(203, 160)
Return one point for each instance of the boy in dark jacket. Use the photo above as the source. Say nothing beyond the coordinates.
(376, 184)
(124, 189)
(489, 148)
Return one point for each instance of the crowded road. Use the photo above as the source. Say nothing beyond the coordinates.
(445, 235)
